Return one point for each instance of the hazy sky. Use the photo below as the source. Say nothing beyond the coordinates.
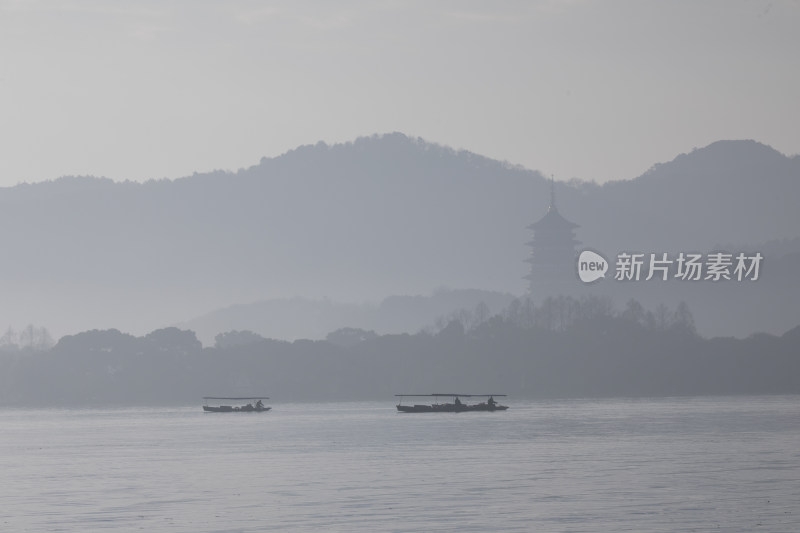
(595, 90)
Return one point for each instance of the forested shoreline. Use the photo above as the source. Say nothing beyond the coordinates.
(562, 348)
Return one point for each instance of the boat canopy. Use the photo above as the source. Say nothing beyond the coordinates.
(453, 394)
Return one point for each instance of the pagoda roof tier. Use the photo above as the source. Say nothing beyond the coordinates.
(552, 220)
(540, 243)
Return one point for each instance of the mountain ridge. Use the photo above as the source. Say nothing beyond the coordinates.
(726, 148)
(383, 215)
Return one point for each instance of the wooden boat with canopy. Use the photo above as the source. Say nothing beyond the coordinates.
(224, 404)
(455, 406)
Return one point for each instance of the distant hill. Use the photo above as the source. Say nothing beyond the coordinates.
(728, 192)
(300, 318)
(353, 223)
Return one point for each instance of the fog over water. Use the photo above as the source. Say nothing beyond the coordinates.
(333, 203)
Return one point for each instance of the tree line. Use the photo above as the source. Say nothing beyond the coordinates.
(561, 347)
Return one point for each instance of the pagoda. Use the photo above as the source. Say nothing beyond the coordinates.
(552, 256)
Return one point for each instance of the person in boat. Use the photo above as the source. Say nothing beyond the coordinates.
(458, 402)
(259, 405)
(491, 402)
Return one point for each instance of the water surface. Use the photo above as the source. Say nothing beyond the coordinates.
(675, 464)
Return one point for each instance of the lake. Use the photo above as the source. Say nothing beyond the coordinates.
(671, 464)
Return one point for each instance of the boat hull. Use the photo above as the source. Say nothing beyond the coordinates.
(231, 409)
(449, 408)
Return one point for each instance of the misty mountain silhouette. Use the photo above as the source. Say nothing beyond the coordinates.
(729, 191)
(300, 318)
(355, 222)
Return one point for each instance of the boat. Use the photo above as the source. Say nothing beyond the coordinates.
(254, 404)
(455, 406)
